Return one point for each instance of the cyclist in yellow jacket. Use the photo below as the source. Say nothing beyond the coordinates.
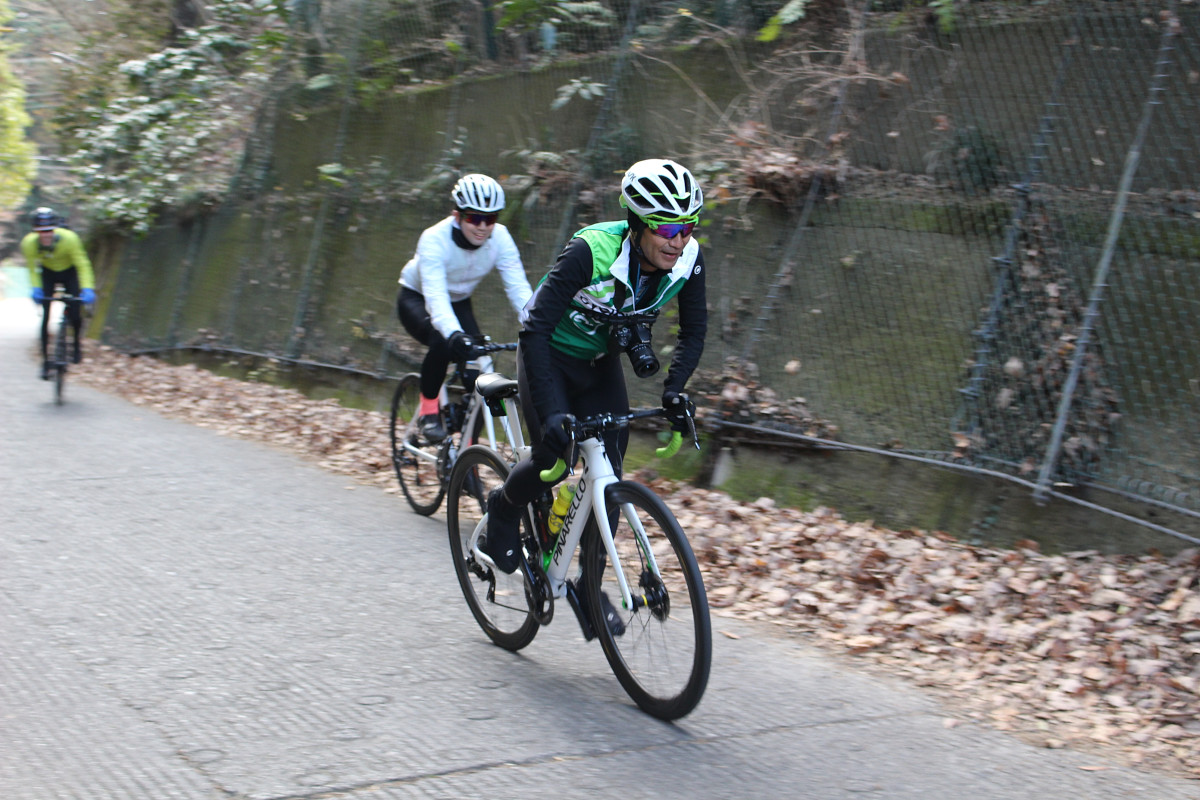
(56, 257)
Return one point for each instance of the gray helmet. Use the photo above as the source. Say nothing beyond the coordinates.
(661, 189)
(477, 192)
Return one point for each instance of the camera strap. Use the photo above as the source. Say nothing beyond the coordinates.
(641, 283)
(619, 296)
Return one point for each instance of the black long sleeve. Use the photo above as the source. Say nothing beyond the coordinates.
(570, 273)
(693, 327)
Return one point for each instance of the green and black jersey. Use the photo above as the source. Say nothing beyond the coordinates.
(597, 271)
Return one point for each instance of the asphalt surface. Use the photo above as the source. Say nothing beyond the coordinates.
(184, 615)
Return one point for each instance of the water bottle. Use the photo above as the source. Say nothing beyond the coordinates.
(558, 511)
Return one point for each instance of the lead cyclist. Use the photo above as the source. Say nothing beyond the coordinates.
(568, 361)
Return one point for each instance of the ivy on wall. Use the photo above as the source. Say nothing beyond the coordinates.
(170, 132)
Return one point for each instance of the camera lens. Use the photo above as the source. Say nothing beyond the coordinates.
(635, 341)
(644, 362)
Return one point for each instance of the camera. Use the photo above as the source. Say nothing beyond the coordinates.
(635, 341)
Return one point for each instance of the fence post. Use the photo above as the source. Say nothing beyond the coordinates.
(295, 340)
(968, 418)
(1099, 284)
(601, 122)
(195, 236)
(783, 276)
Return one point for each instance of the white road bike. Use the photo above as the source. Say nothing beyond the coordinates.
(638, 587)
(423, 467)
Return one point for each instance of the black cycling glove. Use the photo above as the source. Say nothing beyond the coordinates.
(556, 434)
(462, 346)
(678, 408)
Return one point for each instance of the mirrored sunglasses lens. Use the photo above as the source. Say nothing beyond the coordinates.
(670, 230)
(482, 219)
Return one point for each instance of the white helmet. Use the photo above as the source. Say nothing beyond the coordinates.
(660, 188)
(477, 192)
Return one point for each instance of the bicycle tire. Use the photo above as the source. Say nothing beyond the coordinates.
(663, 656)
(500, 603)
(60, 360)
(415, 461)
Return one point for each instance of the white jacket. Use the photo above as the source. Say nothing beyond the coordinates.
(445, 273)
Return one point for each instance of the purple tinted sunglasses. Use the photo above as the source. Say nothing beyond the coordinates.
(669, 230)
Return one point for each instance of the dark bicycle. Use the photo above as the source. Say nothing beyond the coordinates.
(59, 362)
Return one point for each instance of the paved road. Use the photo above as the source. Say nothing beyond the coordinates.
(189, 616)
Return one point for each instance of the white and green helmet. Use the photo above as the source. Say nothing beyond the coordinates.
(661, 190)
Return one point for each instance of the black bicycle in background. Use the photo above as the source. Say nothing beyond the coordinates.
(60, 352)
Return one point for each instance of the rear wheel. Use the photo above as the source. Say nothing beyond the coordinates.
(661, 649)
(415, 461)
(501, 603)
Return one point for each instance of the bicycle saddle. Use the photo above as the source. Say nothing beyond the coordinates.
(494, 387)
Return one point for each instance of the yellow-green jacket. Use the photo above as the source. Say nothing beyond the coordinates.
(66, 252)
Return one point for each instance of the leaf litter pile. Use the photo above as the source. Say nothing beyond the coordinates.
(1082, 650)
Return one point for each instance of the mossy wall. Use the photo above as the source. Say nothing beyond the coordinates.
(870, 312)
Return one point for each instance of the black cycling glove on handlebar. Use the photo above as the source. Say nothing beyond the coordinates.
(556, 435)
(678, 408)
(462, 346)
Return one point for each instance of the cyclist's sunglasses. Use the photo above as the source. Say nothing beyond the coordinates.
(669, 230)
(479, 219)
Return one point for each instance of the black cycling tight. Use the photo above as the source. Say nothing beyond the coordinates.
(68, 279)
(410, 307)
(584, 388)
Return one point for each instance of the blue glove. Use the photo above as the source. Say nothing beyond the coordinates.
(38, 295)
(88, 296)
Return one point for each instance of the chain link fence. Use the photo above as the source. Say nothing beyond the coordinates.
(975, 247)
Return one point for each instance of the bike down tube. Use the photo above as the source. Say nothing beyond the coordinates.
(591, 451)
(568, 540)
(588, 501)
(481, 365)
(572, 527)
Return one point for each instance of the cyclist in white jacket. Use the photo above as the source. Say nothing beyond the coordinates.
(434, 303)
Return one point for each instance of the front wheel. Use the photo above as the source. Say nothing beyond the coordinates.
(60, 362)
(661, 648)
(502, 604)
(415, 461)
